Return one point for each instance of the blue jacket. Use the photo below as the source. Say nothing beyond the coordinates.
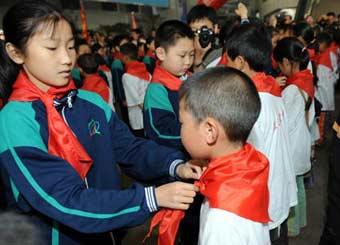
(161, 116)
(50, 191)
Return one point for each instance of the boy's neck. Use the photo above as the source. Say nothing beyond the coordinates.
(248, 71)
(161, 65)
(225, 148)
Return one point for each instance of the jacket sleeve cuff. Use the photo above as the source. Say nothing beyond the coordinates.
(173, 167)
(150, 197)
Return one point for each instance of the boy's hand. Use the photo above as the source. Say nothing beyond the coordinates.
(189, 171)
(281, 81)
(242, 11)
(176, 195)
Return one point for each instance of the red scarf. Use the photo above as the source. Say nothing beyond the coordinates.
(324, 58)
(61, 142)
(266, 84)
(95, 83)
(104, 68)
(303, 80)
(162, 76)
(312, 54)
(118, 56)
(138, 69)
(237, 183)
(224, 60)
(151, 54)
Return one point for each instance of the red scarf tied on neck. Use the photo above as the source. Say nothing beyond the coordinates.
(138, 69)
(162, 76)
(237, 183)
(61, 142)
(266, 84)
(303, 80)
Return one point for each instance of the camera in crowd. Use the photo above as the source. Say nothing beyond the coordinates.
(205, 36)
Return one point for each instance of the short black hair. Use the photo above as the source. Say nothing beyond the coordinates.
(292, 49)
(324, 37)
(95, 47)
(170, 31)
(305, 31)
(253, 43)
(331, 14)
(130, 50)
(225, 94)
(200, 12)
(118, 39)
(88, 63)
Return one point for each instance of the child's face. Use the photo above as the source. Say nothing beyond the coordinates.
(48, 60)
(177, 59)
(84, 49)
(192, 134)
(322, 47)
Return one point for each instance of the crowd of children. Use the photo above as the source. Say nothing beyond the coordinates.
(246, 102)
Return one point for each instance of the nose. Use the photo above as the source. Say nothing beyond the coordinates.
(188, 60)
(67, 56)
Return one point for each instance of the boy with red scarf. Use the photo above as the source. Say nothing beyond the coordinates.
(92, 81)
(174, 44)
(135, 81)
(175, 51)
(249, 49)
(218, 108)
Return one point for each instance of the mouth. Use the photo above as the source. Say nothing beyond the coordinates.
(66, 73)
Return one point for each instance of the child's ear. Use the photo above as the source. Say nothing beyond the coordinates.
(160, 53)
(15, 54)
(240, 62)
(211, 130)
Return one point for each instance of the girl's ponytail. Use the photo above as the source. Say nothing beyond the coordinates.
(293, 50)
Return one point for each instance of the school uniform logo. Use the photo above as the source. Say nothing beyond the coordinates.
(94, 128)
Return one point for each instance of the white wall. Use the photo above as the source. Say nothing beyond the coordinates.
(268, 6)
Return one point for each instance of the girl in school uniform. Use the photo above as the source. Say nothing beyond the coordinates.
(59, 145)
(298, 94)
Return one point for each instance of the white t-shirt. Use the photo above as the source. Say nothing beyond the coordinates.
(326, 81)
(270, 136)
(299, 134)
(218, 227)
(135, 89)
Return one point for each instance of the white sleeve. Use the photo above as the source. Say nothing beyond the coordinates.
(294, 105)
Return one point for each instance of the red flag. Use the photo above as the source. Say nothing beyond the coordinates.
(216, 4)
(83, 21)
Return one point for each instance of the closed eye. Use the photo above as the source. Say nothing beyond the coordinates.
(51, 48)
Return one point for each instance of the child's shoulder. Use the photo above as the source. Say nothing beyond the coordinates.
(96, 100)
(18, 125)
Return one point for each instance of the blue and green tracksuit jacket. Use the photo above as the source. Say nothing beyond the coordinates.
(161, 116)
(50, 192)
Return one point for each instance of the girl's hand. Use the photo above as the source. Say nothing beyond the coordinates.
(281, 81)
(176, 195)
(189, 170)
